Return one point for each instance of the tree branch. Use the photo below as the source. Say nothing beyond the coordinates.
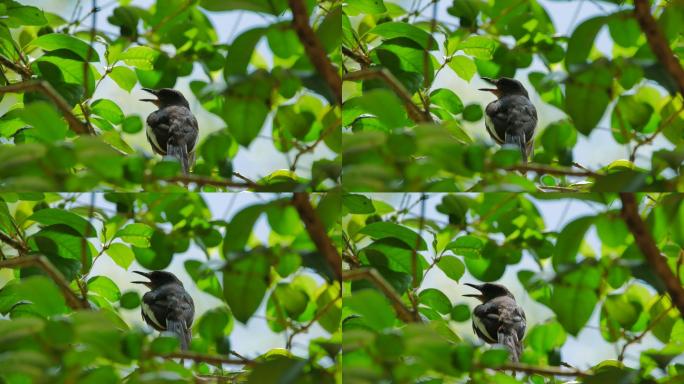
(22, 71)
(203, 180)
(317, 232)
(548, 371)
(314, 49)
(653, 256)
(210, 359)
(43, 263)
(658, 43)
(75, 124)
(19, 246)
(543, 169)
(363, 60)
(385, 75)
(370, 274)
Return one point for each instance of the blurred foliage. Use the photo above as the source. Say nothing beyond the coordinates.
(44, 339)
(386, 148)
(154, 47)
(485, 234)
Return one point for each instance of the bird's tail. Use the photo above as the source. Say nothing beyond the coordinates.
(509, 339)
(181, 330)
(179, 151)
(518, 139)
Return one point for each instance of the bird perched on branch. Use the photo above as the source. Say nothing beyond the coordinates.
(511, 119)
(499, 319)
(172, 129)
(167, 306)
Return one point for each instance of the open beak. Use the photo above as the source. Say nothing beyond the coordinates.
(480, 296)
(152, 91)
(492, 90)
(147, 275)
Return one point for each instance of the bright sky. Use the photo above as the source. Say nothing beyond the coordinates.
(556, 215)
(252, 161)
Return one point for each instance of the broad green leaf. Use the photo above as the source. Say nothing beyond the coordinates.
(137, 234)
(354, 7)
(588, 95)
(55, 41)
(16, 15)
(107, 109)
(480, 47)
(582, 40)
(40, 295)
(105, 287)
(241, 51)
(53, 216)
(546, 337)
(382, 230)
(130, 300)
(239, 228)
(460, 313)
(463, 66)
(373, 307)
(447, 99)
(61, 241)
(140, 57)
(329, 308)
(215, 323)
(158, 254)
(244, 118)
(274, 7)
(573, 306)
(570, 239)
(124, 77)
(436, 300)
(468, 246)
(48, 125)
(358, 204)
(121, 254)
(394, 29)
(452, 267)
(278, 369)
(620, 308)
(244, 285)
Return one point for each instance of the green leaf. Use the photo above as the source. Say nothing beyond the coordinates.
(18, 15)
(39, 294)
(107, 109)
(130, 300)
(278, 369)
(494, 357)
(121, 254)
(447, 99)
(244, 118)
(354, 7)
(61, 241)
(292, 299)
(239, 228)
(159, 253)
(480, 47)
(53, 216)
(105, 287)
(395, 29)
(132, 124)
(624, 29)
(436, 300)
(570, 239)
(587, 96)
(140, 57)
(137, 234)
(582, 40)
(452, 267)
(373, 307)
(573, 306)
(467, 245)
(48, 125)
(215, 323)
(460, 313)
(620, 308)
(274, 7)
(241, 51)
(358, 204)
(385, 105)
(546, 337)
(472, 112)
(55, 41)
(329, 308)
(164, 344)
(244, 285)
(464, 67)
(382, 230)
(124, 77)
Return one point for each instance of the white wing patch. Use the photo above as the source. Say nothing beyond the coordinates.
(482, 328)
(489, 124)
(153, 139)
(148, 312)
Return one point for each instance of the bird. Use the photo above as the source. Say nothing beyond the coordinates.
(172, 129)
(512, 118)
(167, 306)
(499, 319)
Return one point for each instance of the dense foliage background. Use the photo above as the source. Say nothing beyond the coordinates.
(63, 319)
(406, 129)
(618, 270)
(61, 129)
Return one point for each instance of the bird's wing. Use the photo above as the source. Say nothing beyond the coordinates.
(495, 121)
(158, 131)
(520, 117)
(486, 321)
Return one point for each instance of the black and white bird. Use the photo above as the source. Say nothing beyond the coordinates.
(512, 118)
(167, 306)
(172, 129)
(499, 319)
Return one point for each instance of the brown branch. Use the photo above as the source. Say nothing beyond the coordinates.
(308, 325)
(543, 169)
(370, 274)
(363, 60)
(317, 232)
(43, 263)
(398, 88)
(19, 246)
(24, 72)
(210, 359)
(44, 87)
(549, 371)
(640, 336)
(658, 42)
(309, 148)
(655, 134)
(314, 49)
(647, 245)
(203, 180)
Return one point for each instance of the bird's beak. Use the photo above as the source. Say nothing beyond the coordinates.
(479, 288)
(152, 91)
(492, 90)
(147, 275)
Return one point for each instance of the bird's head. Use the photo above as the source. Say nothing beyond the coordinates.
(505, 86)
(488, 291)
(166, 97)
(157, 279)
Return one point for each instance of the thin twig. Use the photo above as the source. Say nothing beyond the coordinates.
(542, 169)
(314, 49)
(317, 233)
(75, 124)
(202, 180)
(655, 134)
(549, 371)
(640, 336)
(309, 148)
(19, 246)
(24, 72)
(658, 42)
(647, 245)
(370, 274)
(397, 87)
(308, 325)
(210, 359)
(43, 263)
(363, 60)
